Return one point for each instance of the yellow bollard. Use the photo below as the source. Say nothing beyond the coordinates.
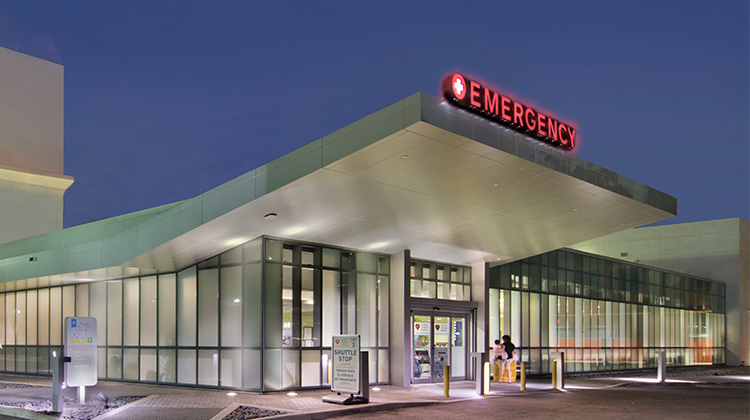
(486, 383)
(554, 374)
(446, 381)
(523, 376)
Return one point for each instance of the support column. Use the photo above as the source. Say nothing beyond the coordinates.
(480, 293)
(400, 316)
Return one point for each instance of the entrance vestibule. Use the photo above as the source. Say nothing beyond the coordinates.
(439, 340)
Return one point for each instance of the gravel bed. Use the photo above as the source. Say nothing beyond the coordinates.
(672, 372)
(72, 410)
(245, 412)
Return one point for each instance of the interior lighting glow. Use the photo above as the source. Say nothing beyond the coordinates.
(378, 245)
(375, 389)
(294, 230)
(231, 394)
(291, 394)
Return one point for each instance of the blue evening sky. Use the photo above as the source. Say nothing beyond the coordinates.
(165, 100)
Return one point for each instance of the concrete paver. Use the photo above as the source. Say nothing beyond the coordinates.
(165, 402)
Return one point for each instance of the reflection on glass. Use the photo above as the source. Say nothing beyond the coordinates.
(442, 338)
(422, 344)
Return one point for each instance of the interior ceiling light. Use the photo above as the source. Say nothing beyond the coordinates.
(495, 185)
(270, 216)
(404, 156)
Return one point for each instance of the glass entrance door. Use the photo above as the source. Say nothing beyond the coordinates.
(438, 341)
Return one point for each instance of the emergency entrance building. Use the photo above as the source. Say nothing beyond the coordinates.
(425, 228)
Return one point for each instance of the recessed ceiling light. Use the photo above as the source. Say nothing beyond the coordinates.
(495, 185)
(575, 209)
(270, 216)
(404, 156)
(231, 394)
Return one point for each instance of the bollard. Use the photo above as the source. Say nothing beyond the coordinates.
(554, 374)
(661, 373)
(523, 376)
(446, 381)
(486, 379)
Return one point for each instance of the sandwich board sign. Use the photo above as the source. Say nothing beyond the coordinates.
(80, 346)
(345, 364)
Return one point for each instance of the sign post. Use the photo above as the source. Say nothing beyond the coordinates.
(349, 371)
(80, 347)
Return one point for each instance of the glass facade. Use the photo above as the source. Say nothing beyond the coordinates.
(605, 314)
(440, 281)
(258, 317)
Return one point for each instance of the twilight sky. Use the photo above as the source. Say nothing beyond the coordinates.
(165, 100)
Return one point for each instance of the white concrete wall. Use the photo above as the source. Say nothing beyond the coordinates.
(714, 249)
(32, 183)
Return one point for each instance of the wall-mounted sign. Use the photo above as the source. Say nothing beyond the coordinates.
(471, 95)
(80, 346)
(345, 364)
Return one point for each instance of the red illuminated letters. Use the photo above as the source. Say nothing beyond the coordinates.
(471, 95)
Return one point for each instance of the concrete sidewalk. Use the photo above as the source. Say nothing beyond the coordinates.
(165, 402)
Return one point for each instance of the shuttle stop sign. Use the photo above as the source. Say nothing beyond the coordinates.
(80, 346)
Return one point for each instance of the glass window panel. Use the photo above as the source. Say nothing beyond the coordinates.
(148, 365)
(44, 307)
(367, 262)
(348, 303)
(290, 369)
(231, 368)
(384, 264)
(383, 310)
(253, 305)
(186, 310)
(55, 313)
(367, 309)
(273, 300)
(114, 318)
(130, 364)
(308, 255)
(348, 260)
(467, 293)
(331, 306)
(428, 271)
(288, 254)
(273, 250)
(429, 289)
(208, 367)
(233, 256)
(416, 288)
(208, 308)
(310, 331)
(331, 258)
(82, 300)
(114, 363)
(310, 368)
(252, 250)
(186, 366)
(31, 317)
(534, 320)
(288, 335)
(148, 313)
(21, 319)
(209, 263)
(231, 306)
(31, 359)
(167, 312)
(68, 301)
(251, 370)
(167, 365)
(130, 333)
(97, 309)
